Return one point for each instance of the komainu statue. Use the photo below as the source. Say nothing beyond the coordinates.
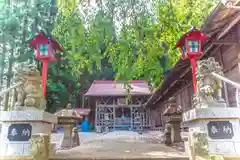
(209, 88)
(40, 147)
(29, 93)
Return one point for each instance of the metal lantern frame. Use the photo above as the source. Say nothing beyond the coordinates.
(45, 47)
(45, 51)
(190, 45)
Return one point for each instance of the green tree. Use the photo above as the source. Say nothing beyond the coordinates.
(115, 39)
(138, 36)
(85, 45)
(20, 20)
(143, 43)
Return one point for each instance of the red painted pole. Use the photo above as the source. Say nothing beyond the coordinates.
(44, 77)
(193, 64)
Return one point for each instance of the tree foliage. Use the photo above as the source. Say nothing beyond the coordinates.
(20, 20)
(137, 37)
(102, 39)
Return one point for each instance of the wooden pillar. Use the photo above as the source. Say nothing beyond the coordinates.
(114, 117)
(131, 118)
(238, 38)
(224, 83)
(96, 112)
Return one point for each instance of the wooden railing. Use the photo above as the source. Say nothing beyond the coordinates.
(11, 95)
(226, 80)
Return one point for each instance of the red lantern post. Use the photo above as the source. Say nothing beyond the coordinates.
(45, 51)
(190, 45)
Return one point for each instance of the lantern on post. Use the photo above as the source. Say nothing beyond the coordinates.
(45, 51)
(190, 45)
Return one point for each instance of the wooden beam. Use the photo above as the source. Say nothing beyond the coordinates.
(224, 84)
(185, 72)
(183, 88)
(10, 88)
(236, 2)
(228, 27)
(226, 42)
(212, 16)
(224, 79)
(111, 106)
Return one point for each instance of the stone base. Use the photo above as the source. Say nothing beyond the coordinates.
(40, 121)
(210, 105)
(176, 133)
(28, 115)
(210, 113)
(215, 123)
(15, 158)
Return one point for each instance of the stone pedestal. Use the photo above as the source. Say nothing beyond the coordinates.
(19, 126)
(213, 129)
(176, 133)
(175, 122)
(174, 112)
(66, 142)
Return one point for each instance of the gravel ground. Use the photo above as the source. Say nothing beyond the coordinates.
(122, 144)
(119, 149)
(154, 137)
(83, 137)
(178, 146)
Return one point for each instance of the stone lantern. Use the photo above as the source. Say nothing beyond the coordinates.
(174, 112)
(68, 118)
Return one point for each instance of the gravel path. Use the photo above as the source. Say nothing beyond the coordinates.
(120, 145)
(119, 149)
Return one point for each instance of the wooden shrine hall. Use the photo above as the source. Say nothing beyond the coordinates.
(116, 108)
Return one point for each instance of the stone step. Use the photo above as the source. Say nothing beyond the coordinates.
(122, 158)
(94, 158)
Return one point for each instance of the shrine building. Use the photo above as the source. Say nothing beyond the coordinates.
(114, 107)
(223, 28)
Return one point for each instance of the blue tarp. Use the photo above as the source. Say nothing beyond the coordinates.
(85, 126)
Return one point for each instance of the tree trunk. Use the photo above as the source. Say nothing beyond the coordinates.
(2, 63)
(9, 78)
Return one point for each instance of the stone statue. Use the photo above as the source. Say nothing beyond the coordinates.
(69, 106)
(209, 88)
(75, 138)
(29, 94)
(198, 145)
(40, 147)
(167, 134)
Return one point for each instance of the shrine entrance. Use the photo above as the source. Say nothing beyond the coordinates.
(104, 118)
(115, 110)
(129, 117)
(123, 118)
